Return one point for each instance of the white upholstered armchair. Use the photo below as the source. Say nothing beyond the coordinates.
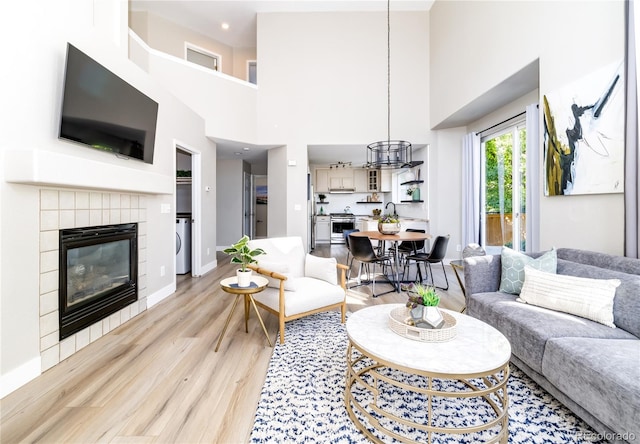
(299, 284)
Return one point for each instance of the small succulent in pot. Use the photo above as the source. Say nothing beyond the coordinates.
(322, 197)
(419, 294)
(423, 306)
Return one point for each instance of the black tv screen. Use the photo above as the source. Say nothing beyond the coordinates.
(102, 111)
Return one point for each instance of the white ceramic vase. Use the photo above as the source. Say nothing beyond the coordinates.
(244, 278)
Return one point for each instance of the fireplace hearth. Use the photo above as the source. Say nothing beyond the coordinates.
(98, 274)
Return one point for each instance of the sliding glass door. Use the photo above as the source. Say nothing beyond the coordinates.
(504, 185)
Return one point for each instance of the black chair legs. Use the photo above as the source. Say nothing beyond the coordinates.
(437, 254)
(445, 277)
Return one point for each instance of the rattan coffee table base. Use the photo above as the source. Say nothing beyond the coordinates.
(360, 372)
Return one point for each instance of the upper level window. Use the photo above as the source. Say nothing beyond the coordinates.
(202, 57)
(252, 71)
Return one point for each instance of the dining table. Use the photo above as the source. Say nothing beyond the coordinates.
(401, 236)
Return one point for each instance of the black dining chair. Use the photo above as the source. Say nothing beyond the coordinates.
(346, 234)
(362, 250)
(408, 247)
(437, 254)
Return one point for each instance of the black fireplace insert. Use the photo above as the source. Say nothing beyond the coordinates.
(98, 274)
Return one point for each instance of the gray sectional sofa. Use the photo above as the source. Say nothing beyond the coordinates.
(591, 368)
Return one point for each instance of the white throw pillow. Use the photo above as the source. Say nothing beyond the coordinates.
(323, 268)
(585, 297)
(281, 268)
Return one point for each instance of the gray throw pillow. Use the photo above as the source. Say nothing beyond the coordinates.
(513, 263)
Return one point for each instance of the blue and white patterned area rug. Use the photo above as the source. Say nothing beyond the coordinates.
(303, 397)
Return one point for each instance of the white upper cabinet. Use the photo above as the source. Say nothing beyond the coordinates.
(341, 179)
(386, 182)
(360, 180)
(321, 184)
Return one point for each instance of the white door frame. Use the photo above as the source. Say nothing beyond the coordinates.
(248, 205)
(196, 207)
(516, 184)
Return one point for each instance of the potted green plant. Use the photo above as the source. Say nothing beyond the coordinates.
(241, 253)
(322, 197)
(389, 224)
(423, 303)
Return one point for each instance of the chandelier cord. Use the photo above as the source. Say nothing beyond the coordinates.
(388, 71)
(389, 154)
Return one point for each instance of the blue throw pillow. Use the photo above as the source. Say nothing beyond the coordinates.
(513, 263)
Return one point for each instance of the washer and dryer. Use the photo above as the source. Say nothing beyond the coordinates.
(183, 243)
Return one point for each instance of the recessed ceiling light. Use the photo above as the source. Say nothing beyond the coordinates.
(237, 153)
(246, 148)
(225, 26)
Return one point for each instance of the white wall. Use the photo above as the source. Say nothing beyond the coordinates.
(277, 184)
(444, 187)
(227, 104)
(476, 45)
(32, 95)
(323, 80)
(229, 197)
(331, 87)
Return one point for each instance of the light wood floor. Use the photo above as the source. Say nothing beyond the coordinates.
(157, 379)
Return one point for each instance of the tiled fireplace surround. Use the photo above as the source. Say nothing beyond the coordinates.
(61, 209)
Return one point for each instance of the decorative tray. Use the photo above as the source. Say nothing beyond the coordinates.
(398, 323)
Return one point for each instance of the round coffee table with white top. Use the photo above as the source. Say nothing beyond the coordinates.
(473, 364)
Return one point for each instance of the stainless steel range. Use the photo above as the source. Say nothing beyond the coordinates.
(339, 223)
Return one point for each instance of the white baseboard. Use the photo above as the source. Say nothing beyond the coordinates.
(208, 267)
(167, 291)
(18, 377)
(161, 294)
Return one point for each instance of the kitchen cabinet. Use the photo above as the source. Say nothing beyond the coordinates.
(341, 179)
(373, 182)
(321, 184)
(360, 180)
(368, 224)
(414, 224)
(341, 183)
(386, 181)
(366, 181)
(323, 229)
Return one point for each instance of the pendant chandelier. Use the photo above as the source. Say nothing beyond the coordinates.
(389, 153)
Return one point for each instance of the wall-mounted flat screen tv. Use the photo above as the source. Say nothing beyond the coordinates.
(102, 111)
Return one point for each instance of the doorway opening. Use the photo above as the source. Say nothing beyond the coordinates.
(183, 211)
(188, 210)
(261, 206)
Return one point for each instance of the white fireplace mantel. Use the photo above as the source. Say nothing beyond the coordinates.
(50, 168)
